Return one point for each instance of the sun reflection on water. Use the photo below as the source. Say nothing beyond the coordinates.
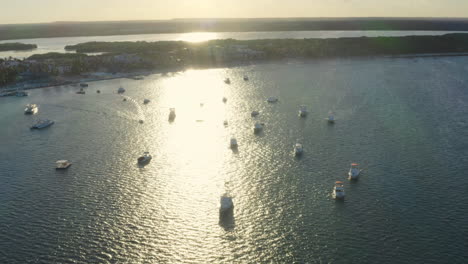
(198, 36)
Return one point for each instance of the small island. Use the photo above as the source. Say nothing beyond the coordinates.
(126, 58)
(16, 46)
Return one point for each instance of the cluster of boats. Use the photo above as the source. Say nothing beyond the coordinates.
(353, 174)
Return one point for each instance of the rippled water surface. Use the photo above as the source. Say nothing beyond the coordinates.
(403, 120)
(45, 45)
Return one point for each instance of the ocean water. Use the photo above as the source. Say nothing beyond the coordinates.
(45, 45)
(403, 120)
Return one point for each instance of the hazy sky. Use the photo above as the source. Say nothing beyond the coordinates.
(27, 11)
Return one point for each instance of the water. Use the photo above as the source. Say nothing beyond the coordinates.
(403, 120)
(46, 45)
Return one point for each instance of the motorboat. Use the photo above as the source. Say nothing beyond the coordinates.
(303, 111)
(172, 114)
(146, 101)
(258, 127)
(354, 172)
(298, 149)
(42, 124)
(233, 143)
(272, 100)
(338, 190)
(62, 164)
(121, 90)
(84, 85)
(226, 205)
(81, 91)
(331, 118)
(224, 99)
(254, 113)
(227, 81)
(146, 158)
(30, 109)
(246, 78)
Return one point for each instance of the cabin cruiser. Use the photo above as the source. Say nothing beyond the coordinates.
(272, 100)
(246, 78)
(254, 113)
(30, 109)
(172, 114)
(121, 90)
(258, 127)
(227, 81)
(62, 164)
(303, 111)
(224, 99)
(338, 190)
(84, 85)
(331, 118)
(146, 158)
(146, 101)
(233, 143)
(81, 91)
(42, 124)
(298, 149)
(354, 172)
(226, 205)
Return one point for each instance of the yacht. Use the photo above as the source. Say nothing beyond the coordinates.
(303, 111)
(224, 99)
(272, 100)
(146, 101)
(354, 172)
(298, 149)
(331, 118)
(62, 164)
(121, 90)
(227, 81)
(81, 91)
(84, 85)
(233, 143)
(246, 78)
(172, 114)
(42, 124)
(226, 205)
(30, 109)
(146, 158)
(338, 190)
(258, 127)
(254, 113)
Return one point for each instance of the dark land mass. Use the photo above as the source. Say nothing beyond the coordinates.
(129, 57)
(17, 46)
(69, 29)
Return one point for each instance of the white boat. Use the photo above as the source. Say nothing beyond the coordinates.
(272, 100)
(303, 111)
(338, 190)
(298, 149)
(121, 90)
(146, 158)
(254, 113)
(146, 101)
(246, 78)
(81, 91)
(331, 117)
(226, 205)
(62, 164)
(233, 143)
(224, 99)
(172, 114)
(354, 172)
(258, 127)
(227, 81)
(42, 124)
(30, 109)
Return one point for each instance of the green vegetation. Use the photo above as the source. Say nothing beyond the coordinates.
(17, 46)
(56, 55)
